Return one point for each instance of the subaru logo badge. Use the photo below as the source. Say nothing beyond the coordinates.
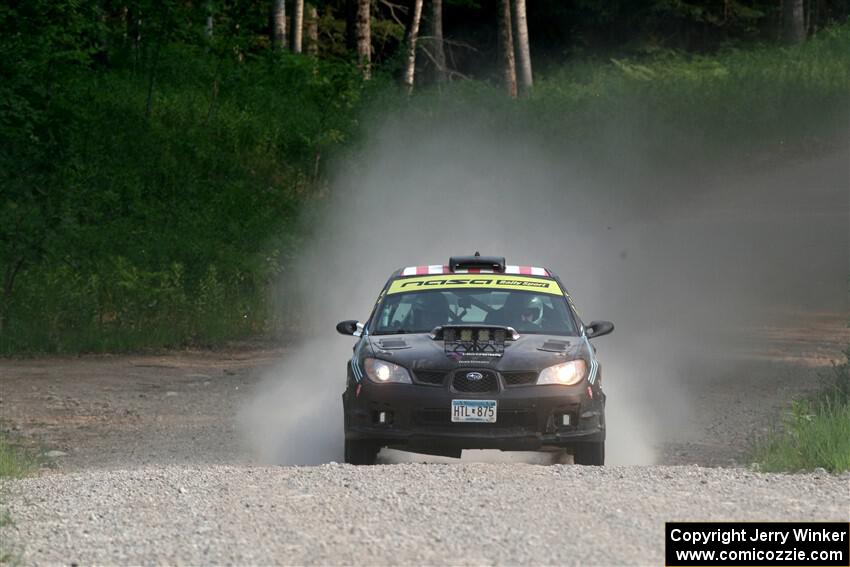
(474, 376)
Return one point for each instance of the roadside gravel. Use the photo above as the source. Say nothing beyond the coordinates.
(397, 514)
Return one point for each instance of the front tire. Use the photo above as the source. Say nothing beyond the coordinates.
(360, 452)
(592, 454)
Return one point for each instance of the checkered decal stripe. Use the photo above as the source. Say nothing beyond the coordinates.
(437, 269)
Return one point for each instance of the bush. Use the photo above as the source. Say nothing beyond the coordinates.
(163, 221)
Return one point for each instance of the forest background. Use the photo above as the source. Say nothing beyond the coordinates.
(160, 161)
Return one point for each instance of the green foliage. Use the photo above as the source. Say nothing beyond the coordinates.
(816, 432)
(148, 215)
(152, 176)
(14, 462)
(725, 104)
(673, 109)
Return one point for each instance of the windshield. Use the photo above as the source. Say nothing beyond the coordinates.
(421, 311)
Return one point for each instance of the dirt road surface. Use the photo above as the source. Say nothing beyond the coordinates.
(107, 412)
(152, 467)
(145, 459)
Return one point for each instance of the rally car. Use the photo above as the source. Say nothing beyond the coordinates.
(475, 354)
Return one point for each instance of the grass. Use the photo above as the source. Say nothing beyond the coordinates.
(14, 463)
(815, 433)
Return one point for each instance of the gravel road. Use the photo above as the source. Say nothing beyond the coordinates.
(396, 514)
(146, 461)
(152, 468)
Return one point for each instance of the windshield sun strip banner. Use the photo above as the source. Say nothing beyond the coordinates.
(479, 281)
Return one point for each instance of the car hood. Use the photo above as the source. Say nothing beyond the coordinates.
(528, 353)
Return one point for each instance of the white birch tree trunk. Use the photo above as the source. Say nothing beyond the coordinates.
(279, 24)
(506, 48)
(363, 35)
(210, 21)
(522, 47)
(312, 31)
(297, 25)
(412, 36)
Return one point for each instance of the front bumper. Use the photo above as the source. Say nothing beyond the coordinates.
(418, 418)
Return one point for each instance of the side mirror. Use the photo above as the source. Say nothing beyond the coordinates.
(350, 327)
(598, 328)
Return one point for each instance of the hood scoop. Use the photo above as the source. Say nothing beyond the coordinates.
(393, 344)
(554, 346)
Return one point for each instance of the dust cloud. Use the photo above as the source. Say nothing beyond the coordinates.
(684, 264)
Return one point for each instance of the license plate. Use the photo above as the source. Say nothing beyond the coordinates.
(482, 411)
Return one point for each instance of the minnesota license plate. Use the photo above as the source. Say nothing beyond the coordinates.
(482, 411)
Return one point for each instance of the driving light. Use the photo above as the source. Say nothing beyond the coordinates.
(383, 372)
(566, 374)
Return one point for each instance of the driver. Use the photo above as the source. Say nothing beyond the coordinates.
(530, 316)
(430, 310)
(521, 311)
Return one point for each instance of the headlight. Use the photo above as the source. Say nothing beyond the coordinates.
(566, 374)
(383, 372)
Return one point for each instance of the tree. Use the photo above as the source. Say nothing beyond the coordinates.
(210, 22)
(410, 43)
(279, 24)
(312, 31)
(297, 25)
(795, 21)
(506, 47)
(522, 46)
(437, 38)
(363, 36)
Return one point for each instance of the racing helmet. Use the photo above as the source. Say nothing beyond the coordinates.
(430, 309)
(532, 310)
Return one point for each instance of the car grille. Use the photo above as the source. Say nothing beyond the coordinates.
(430, 377)
(519, 378)
(487, 383)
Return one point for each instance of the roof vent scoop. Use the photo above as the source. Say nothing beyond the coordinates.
(495, 263)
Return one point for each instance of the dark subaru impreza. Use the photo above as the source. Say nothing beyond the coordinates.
(475, 354)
